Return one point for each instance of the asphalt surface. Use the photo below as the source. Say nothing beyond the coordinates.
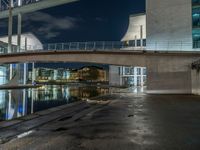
(122, 121)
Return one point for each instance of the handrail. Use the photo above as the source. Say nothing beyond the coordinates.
(109, 45)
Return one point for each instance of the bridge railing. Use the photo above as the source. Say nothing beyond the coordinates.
(87, 46)
(108, 46)
(130, 45)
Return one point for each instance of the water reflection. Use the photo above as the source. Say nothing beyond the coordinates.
(17, 103)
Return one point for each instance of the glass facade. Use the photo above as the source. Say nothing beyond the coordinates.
(133, 76)
(196, 23)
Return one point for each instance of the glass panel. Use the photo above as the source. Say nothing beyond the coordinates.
(196, 23)
(195, 2)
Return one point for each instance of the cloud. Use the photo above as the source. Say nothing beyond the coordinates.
(49, 26)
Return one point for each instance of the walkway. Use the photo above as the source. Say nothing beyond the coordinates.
(129, 121)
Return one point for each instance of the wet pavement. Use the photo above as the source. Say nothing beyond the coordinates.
(121, 121)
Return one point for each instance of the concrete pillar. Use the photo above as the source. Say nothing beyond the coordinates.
(135, 76)
(141, 36)
(169, 75)
(142, 77)
(32, 100)
(10, 26)
(196, 82)
(135, 41)
(25, 74)
(33, 73)
(19, 30)
(10, 71)
(24, 102)
(0, 4)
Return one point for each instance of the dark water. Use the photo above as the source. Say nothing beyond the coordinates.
(18, 103)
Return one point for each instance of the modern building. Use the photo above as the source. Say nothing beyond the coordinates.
(173, 25)
(136, 33)
(127, 76)
(28, 42)
(91, 74)
(135, 38)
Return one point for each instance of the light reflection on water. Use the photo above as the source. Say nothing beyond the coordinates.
(18, 103)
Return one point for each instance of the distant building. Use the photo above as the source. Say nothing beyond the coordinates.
(93, 74)
(89, 74)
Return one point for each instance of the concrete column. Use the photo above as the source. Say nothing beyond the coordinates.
(19, 30)
(141, 76)
(32, 100)
(25, 74)
(0, 4)
(33, 73)
(136, 41)
(10, 71)
(10, 26)
(141, 36)
(169, 75)
(24, 102)
(196, 82)
(135, 76)
(25, 48)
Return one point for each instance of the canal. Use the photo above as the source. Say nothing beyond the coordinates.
(20, 102)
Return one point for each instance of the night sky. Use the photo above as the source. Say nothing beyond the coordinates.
(86, 20)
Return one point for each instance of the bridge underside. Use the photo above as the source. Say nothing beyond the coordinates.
(32, 7)
(167, 73)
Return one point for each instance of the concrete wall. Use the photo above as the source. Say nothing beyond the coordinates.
(169, 24)
(195, 82)
(169, 75)
(114, 76)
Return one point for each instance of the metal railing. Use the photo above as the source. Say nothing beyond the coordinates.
(109, 46)
(81, 46)
(100, 45)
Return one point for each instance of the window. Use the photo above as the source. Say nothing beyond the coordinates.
(196, 23)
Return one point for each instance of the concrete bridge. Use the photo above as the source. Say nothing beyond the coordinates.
(167, 72)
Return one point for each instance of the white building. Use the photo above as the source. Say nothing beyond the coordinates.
(28, 41)
(136, 38)
(136, 33)
(173, 25)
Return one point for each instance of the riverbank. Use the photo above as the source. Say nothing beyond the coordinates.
(117, 121)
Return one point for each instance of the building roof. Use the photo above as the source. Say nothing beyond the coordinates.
(134, 28)
(33, 43)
